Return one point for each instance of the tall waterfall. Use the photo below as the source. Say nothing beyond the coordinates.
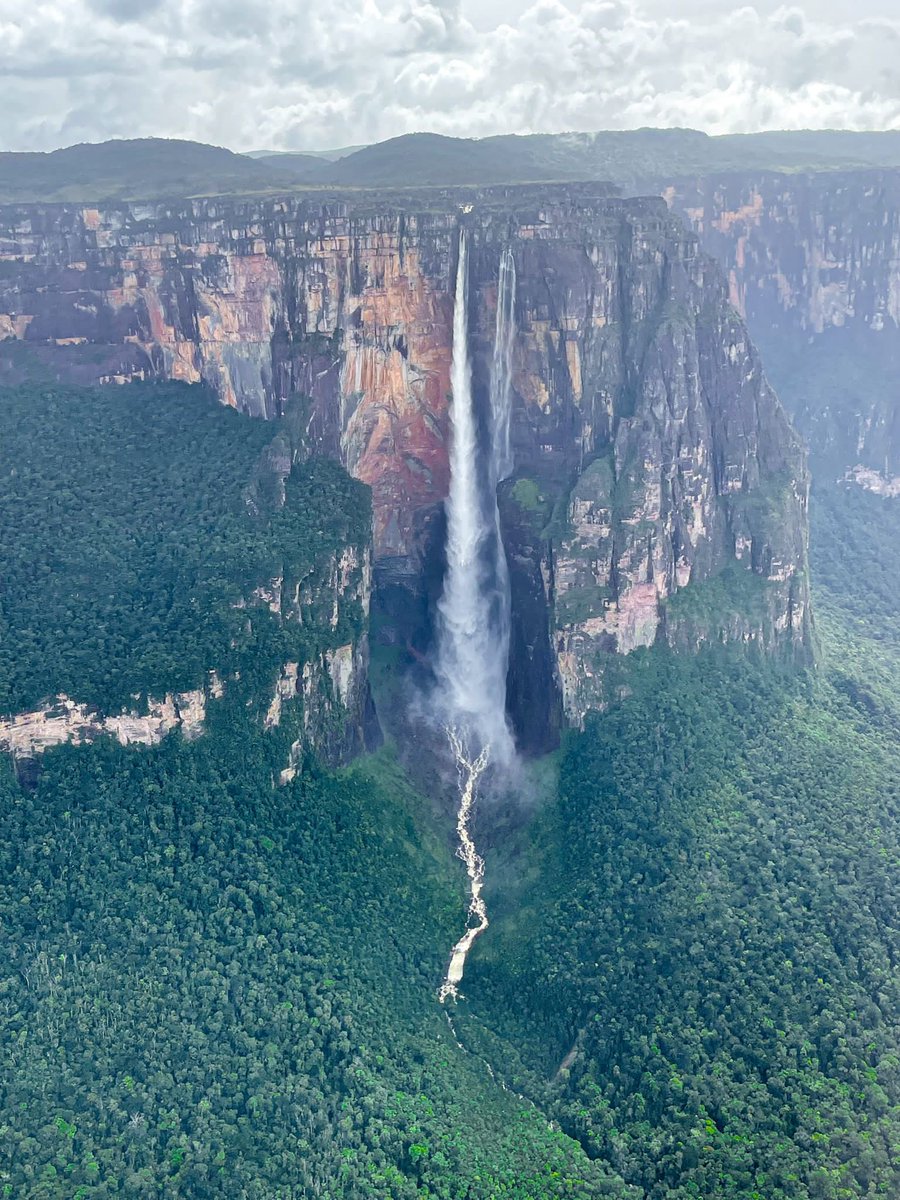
(474, 610)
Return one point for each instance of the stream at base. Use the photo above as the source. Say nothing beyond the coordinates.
(469, 770)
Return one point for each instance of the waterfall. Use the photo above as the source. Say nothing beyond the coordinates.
(474, 609)
(473, 612)
(501, 373)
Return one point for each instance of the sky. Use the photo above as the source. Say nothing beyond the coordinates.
(297, 75)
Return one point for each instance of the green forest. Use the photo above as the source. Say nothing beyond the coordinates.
(214, 988)
(211, 986)
(137, 521)
(697, 973)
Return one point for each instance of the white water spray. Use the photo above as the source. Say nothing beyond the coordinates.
(474, 610)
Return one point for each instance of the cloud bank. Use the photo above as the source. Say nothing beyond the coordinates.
(284, 74)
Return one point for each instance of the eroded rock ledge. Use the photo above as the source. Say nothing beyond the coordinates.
(873, 481)
(64, 720)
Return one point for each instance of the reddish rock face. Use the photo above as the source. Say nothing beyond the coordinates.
(641, 420)
(395, 387)
(264, 303)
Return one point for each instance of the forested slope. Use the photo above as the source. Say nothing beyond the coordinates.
(214, 989)
(701, 982)
(210, 985)
(214, 986)
(137, 523)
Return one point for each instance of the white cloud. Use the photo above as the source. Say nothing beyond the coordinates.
(283, 74)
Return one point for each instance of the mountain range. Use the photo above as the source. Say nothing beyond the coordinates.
(159, 168)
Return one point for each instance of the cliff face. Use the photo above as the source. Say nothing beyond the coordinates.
(650, 451)
(813, 265)
(651, 456)
(322, 699)
(265, 302)
(321, 703)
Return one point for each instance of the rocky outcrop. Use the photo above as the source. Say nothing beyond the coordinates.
(322, 698)
(338, 717)
(813, 265)
(63, 720)
(650, 453)
(874, 481)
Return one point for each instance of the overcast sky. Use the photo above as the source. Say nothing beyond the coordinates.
(290, 74)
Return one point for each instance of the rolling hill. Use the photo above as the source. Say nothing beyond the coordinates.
(635, 160)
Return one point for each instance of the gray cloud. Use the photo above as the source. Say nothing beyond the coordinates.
(125, 10)
(275, 73)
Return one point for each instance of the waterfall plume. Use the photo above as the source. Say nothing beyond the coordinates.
(474, 608)
(473, 611)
